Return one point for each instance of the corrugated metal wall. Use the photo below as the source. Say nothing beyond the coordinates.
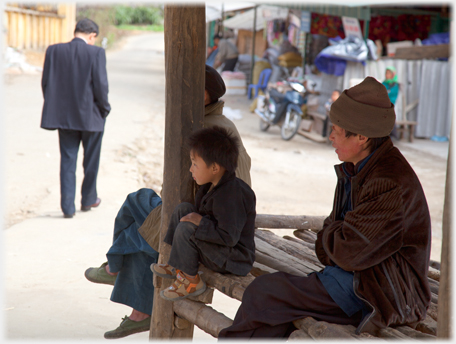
(428, 80)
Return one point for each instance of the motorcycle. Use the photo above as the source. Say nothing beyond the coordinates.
(283, 110)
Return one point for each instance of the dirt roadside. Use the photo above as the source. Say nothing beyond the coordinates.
(46, 255)
(290, 177)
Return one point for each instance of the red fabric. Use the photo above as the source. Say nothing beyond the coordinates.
(405, 27)
(327, 25)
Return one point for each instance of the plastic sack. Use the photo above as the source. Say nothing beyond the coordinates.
(333, 59)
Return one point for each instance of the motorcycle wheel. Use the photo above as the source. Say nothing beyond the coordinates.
(264, 125)
(290, 128)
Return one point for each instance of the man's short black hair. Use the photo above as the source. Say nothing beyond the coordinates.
(217, 36)
(215, 145)
(86, 26)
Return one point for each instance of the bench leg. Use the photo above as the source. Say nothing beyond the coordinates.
(411, 127)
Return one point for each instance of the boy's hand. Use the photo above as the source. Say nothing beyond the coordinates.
(194, 218)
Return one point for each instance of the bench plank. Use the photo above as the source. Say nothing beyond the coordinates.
(205, 317)
(288, 254)
(285, 221)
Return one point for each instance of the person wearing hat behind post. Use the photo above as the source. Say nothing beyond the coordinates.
(137, 230)
(375, 244)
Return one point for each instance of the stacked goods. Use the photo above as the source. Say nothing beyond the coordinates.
(235, 82)
(244, 64)
(290, 60)
(258, 68)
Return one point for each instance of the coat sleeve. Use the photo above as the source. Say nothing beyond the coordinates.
(230, 218)
(100, 84)
(45, 74)
(319, 250)
(371, 232)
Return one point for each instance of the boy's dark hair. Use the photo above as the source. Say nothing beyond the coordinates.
(215, 145)
(86, 26)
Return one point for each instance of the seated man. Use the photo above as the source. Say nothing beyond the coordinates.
(137, 230)
(375, 244)
(218, 230)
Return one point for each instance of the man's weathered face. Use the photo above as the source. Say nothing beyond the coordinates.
(348, 149)
(207, 98)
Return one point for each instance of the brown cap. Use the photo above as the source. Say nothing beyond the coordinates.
(215, 85)
(364, 109)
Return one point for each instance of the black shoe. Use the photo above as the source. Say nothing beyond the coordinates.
(68, 216)
(88, 207)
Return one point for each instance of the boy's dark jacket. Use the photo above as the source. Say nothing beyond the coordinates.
(385, 240)
(226, 231)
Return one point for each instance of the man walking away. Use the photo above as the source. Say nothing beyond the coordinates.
(75, 91)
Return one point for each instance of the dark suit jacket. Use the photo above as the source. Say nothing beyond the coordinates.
(75, 87)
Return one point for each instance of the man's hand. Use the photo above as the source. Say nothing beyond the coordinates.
(194, 218)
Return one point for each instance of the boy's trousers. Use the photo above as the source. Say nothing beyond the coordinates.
(185, 254)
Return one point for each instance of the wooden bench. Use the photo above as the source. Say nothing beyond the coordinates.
(314, 127)
(404, 125)
(293, 254)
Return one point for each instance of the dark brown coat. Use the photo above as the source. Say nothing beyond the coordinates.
(385, 240)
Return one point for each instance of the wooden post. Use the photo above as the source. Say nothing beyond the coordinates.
(41, 33)
(47, 30)
(20, 31)
(35, 33)
(69, 22)
(12, 39)
(185, 74)
(28, 31)
(445, 319)
(253, 45)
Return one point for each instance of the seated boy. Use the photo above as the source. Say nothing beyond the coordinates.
(218, 231)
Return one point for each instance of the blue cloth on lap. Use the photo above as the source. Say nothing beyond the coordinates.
(131, 255)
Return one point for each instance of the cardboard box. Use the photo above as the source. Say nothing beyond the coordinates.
(391, 47)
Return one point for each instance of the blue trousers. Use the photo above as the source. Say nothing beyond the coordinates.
(130, 255)
(69, 141)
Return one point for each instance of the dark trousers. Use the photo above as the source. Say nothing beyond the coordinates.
(230, 64)
(69, 141)
(272, 302)
(185, 254)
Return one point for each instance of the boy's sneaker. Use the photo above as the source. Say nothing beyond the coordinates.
(183, 288)
(163, 270)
